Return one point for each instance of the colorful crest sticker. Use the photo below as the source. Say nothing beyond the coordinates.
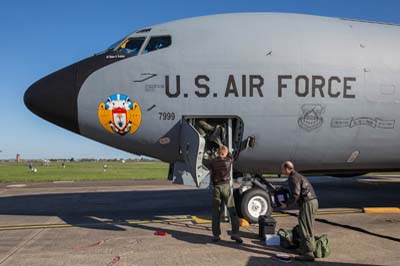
(118, 114)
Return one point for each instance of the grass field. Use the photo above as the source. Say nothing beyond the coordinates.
(86, 171)
(80, 171)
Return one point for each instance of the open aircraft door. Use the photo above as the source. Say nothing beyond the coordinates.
(192, 146)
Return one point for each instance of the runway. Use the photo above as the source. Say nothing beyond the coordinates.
(123, 223)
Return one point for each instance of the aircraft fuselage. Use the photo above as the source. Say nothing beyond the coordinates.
(322, 92)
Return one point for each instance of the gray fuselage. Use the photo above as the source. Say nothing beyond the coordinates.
(322, 92)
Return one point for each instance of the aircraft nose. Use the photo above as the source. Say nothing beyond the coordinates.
(54, 98)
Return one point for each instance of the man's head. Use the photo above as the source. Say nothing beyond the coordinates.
(287, 167)
(223, 151)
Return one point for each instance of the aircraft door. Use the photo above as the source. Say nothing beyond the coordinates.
(192, 146)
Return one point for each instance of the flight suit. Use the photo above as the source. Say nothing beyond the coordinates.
(304, 195)
(220, 169)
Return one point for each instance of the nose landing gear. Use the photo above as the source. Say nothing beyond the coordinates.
(254, 198)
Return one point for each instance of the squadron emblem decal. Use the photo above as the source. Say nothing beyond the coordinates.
(312, 117)
(118, 114)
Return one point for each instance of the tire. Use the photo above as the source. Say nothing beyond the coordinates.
(254, 203)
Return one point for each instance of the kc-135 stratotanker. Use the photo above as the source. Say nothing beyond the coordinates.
(321, 92)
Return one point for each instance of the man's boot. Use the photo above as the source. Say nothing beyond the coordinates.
(309, 256)
(237, 238)
(215, 239)
(299, 251)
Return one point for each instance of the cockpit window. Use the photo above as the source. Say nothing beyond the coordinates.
(114, 45)
(157, 43)
(132, 46)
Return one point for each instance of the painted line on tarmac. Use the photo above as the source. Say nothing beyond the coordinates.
(99, 224)
(382, 210)
(379, 180)
(285, 214)
(198, 220)
(340, 212)
(16, 186)
(39, 226)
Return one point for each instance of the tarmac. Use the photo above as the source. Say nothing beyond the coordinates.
(159, 223)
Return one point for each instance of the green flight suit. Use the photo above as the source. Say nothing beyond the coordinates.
(308, 209)
(304, 195)
(223, 193)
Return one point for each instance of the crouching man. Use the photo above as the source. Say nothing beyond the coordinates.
(304, 195)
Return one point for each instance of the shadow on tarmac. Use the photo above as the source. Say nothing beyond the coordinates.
(95, 209)
(255, 261)
(119, 206)
(267, 253)
(114, 207)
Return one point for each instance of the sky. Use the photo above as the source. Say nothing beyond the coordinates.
(39, 37)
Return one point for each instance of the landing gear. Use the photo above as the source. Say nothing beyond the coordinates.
(254, 198)
(255, 202)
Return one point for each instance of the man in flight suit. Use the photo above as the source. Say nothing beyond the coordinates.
(302, 193)
(220, 169)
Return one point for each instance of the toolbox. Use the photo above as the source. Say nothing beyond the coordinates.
(266, 225)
